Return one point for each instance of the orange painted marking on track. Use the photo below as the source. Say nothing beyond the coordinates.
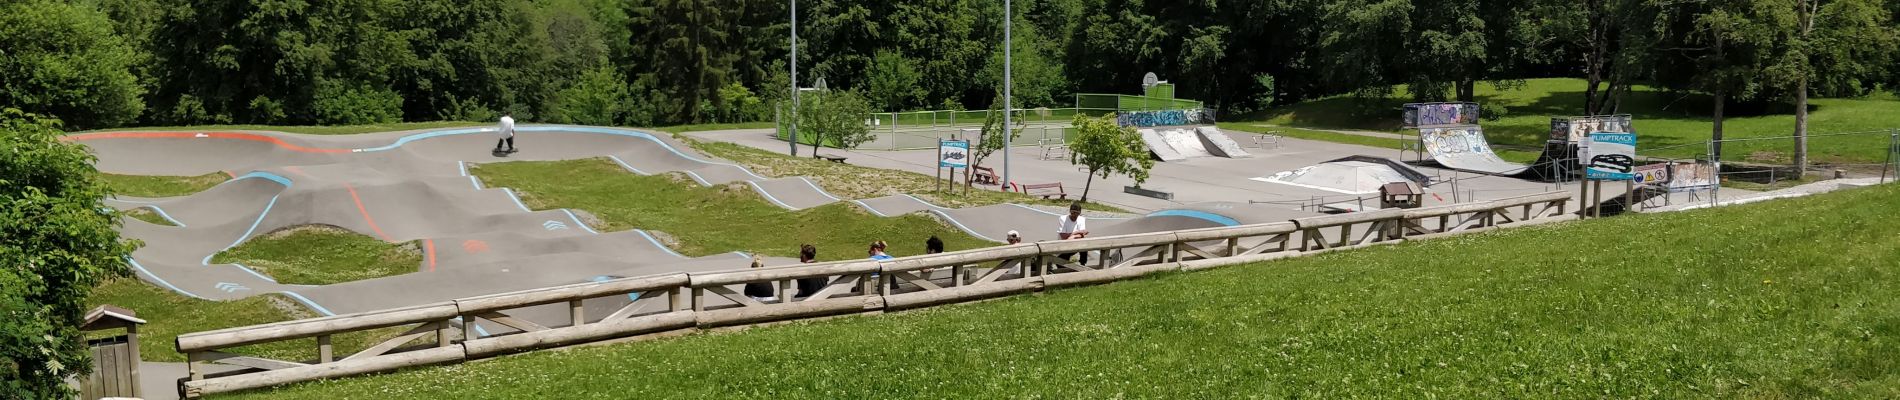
(229, 173)
(429, 245)
(365, 211)
(474, 246)
(189, 135)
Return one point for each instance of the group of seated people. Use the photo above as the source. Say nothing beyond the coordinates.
(1070, 226)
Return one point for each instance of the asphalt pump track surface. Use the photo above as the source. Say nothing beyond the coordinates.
(477, 240)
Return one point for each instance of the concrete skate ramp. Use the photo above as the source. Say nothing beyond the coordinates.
(1158, 145)
(1185, 142)
(1218, 143)
(1465, 149)
(415, 186)
(1348, 177)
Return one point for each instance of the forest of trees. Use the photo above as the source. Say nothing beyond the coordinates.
(105, 63)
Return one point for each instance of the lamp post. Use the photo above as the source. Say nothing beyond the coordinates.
(1008, 133)
(794, 133)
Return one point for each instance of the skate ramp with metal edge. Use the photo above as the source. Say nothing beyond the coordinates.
(1464, 148)
(476, 240)
(1218, 143)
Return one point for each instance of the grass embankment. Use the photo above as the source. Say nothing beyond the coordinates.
(322, 255)
(162, 186)
(1668, 125)
(712, 220)
(858, 182)
(1784, 299)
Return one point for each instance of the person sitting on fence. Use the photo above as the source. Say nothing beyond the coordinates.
(1073, 226)
(761, 291)
(808, 254)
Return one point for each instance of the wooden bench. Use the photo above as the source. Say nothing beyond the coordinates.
(832, 158)
(985, 175)
(1046, 190)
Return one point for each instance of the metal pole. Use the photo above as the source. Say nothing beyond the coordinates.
(1006, 86)
(1893, 145)
(794, 135)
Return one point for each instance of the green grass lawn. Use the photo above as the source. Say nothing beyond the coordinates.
(1783, 299)
(712, 220)
(162, 186)
(319, 255)
(1669, 125)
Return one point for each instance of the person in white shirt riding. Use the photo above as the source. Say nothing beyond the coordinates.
(507, 130)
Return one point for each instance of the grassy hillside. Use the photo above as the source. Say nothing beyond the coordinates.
(1784, 299)
(1678, 121)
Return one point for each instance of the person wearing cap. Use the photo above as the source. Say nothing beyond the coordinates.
(1073, 226)
(1013, 238)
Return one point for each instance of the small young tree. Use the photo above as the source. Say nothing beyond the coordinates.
(1108, 149)
(835, 117)
(993, 138)
(56, 243)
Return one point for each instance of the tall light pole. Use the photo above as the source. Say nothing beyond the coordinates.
(794, 135)
(1008, 132)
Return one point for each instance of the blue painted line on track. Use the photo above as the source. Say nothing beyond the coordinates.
(161, 281)
(474, 182)
(873, 210)
(247, 232)
(253, 272)
(769, 196)
(306, 301)
(820, 190)
(577, 221)
(702, 181)
(966, 229)
(656, 243)
(162, 214)
(517, 199)
(623, 164)
(1210, 217)
(463, 165)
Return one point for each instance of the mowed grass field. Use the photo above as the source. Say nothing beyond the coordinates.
(1667, 124)
(1785, 299)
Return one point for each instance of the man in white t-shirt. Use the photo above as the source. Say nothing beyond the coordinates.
(507, 131)
(1073, 226)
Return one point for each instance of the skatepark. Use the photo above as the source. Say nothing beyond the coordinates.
(480, 240)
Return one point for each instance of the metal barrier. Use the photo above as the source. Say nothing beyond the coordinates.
(660, 303)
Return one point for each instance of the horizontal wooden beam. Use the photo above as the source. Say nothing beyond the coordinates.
(560, 294)
(498, 345)
(280, 331)
(723, 278)
(439, 355)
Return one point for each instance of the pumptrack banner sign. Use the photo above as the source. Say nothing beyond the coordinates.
(953, 154)
(1610, 156)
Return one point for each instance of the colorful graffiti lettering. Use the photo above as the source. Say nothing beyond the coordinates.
(1146, 119)
(1453, 140)
(1435, 114)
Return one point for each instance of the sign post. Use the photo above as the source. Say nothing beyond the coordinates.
(953, 154)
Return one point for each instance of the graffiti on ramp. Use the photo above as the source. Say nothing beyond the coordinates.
(1464, 148)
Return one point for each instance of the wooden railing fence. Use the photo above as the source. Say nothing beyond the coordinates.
(620, 308)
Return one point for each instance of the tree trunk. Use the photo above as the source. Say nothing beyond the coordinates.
(1721, 96)
(1467, 89)
(1594, 60)
(1088, 184)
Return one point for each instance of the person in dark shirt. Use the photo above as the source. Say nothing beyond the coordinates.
(761, 291)
(809, 286)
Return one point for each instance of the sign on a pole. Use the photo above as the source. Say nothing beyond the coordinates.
(953, 154)
(1610, 156)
